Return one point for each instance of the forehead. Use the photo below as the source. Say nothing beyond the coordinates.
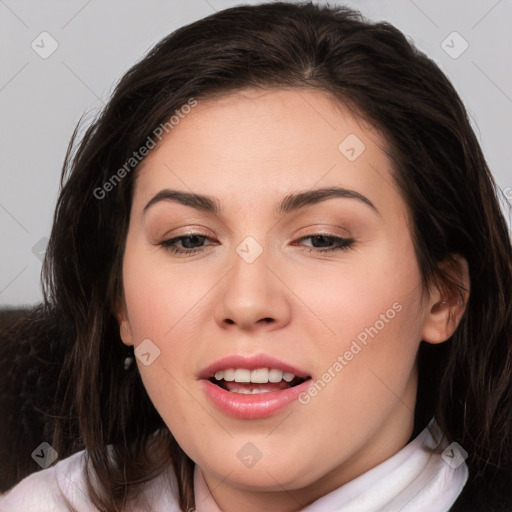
(263, 143)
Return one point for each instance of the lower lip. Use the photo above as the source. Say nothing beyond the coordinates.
(252, 407)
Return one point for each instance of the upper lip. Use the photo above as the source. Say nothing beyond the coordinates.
(250, 363)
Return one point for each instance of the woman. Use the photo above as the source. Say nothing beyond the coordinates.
(285, 213)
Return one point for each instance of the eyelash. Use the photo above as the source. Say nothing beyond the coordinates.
(343, 244)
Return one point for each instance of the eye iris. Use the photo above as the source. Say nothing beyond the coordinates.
(195, 239)
(327, 240)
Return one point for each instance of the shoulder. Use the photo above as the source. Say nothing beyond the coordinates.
(55, 488)
(49, 489)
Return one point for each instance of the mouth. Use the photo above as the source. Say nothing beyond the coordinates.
(259, 380)
(254, 387)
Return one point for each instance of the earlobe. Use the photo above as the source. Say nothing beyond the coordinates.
(125, 330)
(448, 302)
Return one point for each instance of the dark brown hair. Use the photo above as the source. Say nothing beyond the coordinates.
(439, 168)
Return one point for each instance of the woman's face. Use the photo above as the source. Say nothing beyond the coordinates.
(325, 287)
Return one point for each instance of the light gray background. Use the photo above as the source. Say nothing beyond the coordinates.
(41, 100)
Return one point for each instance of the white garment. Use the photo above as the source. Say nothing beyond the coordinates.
(412, 480)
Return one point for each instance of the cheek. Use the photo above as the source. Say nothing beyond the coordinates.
(370, 295)
(157, 294)
(164, 303)
(370, 329)
(161, 308)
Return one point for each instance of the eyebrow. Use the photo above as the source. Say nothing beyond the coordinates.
(290, 202)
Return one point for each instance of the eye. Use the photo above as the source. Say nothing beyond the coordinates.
(193, 243)
(188, 242)
(323, 240)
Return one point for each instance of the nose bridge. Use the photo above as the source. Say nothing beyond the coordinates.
(251, 293)
(250, 270)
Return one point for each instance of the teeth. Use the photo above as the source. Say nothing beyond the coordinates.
(253, 392)
(229, 375)
(275, 376)
(242, 375)
(258, 376)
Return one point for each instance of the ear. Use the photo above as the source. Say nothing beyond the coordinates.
(447, 301)
(125, 329)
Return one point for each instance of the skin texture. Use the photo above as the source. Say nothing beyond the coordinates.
(250, 150)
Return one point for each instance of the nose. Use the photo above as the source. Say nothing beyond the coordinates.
(252, 296)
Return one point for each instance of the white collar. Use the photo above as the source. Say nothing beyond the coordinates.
(412, 480)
